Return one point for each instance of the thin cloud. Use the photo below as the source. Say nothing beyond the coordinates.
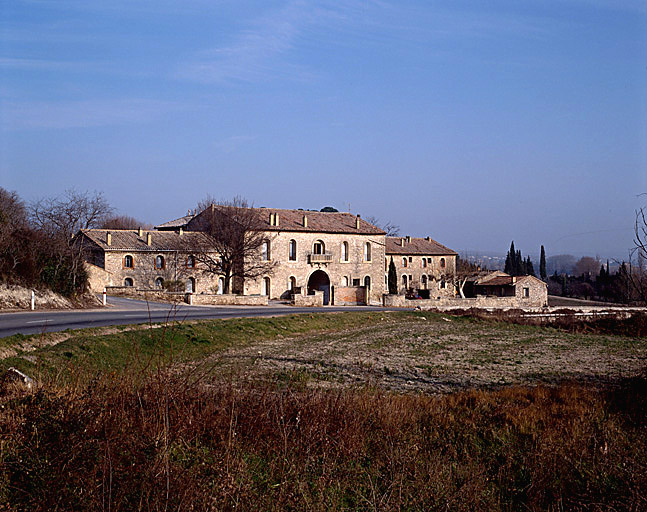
(249, 57)
(81, 114)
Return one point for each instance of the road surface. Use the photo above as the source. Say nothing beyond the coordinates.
(122, 311)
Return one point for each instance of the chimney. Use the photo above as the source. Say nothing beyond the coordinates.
(428, 239)
(181, 232)
(148, 239)
(408, 239)
(401, 242)
(140, 232)
(109, 238)
(305, 221)
(271, 219)
(357, 222)
(276, 219)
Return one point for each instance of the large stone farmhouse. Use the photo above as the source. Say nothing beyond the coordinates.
(312, 258)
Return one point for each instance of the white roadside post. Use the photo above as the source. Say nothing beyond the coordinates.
(105, 297)
(190, 298)
(33, 300)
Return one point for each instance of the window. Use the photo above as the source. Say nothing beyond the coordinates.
(159, 262)
(319, 247)
(344, 281)
(292, 251)
(404, 281)
(190, 261)
(265, 250)
(190, 285)
(128, 262)
(355, 282)
(367, 251)
(128, 282)
(442, 262)
(292, 283)
(410, 259)
(265, 286)
(443, 284)
(386, 280)
(404, 262)
(159, 283)
(344, 251)
(424, 282)
(424, 262)
(526, 292)
(367, 282)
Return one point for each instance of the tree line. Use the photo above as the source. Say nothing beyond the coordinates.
(37, 246)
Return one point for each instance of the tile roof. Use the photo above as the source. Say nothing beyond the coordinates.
(129, 240)
(174, 224)
(416, 246)
(318, 222)
(496, 281)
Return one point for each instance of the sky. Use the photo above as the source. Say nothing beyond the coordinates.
(476, 123)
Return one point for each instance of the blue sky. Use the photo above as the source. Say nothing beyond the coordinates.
(473, 122)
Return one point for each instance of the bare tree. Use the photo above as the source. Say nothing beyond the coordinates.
(233, 242)
(388, 227)
(59, 219)
(65, 215)
(14, 231)
(122, 222)
(637, 274)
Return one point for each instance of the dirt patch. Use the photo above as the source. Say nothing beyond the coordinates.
(438, 355)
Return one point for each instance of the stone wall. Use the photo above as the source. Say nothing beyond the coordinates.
(308, 300)
(227, 300)
(145, 294)
(356, 268)
(398, 301)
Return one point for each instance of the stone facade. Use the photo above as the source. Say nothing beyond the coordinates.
(421, 264)
(143, 260)
(354, 270)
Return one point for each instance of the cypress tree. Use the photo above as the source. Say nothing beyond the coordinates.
(530, 269)
(393, 278)
(518, 264)
(542, 264)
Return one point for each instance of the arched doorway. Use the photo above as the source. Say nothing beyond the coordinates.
(319, 280)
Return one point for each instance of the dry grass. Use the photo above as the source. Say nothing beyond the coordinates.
(166, 444)
(156, 433)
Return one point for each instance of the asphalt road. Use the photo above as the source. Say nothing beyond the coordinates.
(121, 311)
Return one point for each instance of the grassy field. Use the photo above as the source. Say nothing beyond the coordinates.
(354, 411)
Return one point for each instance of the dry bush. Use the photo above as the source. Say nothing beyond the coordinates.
(166, 442)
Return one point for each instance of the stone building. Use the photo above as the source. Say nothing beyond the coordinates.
(422, 265)
(335, 253)
(144, 259)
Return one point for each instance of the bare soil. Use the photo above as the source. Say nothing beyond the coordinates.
(436, 354)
